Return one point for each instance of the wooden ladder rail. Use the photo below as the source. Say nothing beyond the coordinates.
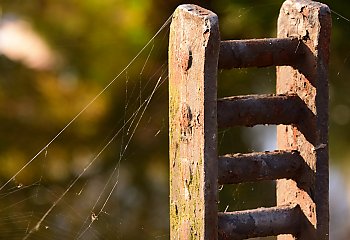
(299, 108)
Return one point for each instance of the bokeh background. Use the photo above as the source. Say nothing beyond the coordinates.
(56, 56)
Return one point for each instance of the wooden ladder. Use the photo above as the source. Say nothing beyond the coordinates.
(299, 108)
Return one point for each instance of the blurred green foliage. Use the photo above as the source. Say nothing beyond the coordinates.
(93, 41)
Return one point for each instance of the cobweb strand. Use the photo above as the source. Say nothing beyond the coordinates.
(86, 107)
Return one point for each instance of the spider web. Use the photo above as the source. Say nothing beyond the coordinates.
(100, 203)
(59, 219)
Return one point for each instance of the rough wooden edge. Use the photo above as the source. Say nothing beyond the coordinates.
(310, 22)
(193, 59)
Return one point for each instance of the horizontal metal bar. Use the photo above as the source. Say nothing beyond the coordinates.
(238, 168)
(252, 110)
(259, 222)
(259, 52)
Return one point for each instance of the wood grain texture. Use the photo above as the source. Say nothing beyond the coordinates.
(193, 63)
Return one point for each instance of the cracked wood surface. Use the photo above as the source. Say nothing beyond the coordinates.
(193, 63)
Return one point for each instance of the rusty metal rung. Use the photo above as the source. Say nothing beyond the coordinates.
(250, 110)
(259, 222)
(259, 52)
(238, 168)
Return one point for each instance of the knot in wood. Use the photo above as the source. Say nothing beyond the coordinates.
(186, 120)
(185, 59)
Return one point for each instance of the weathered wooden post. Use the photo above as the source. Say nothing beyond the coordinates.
(310, 22)
(299, 108)
(193, 58)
